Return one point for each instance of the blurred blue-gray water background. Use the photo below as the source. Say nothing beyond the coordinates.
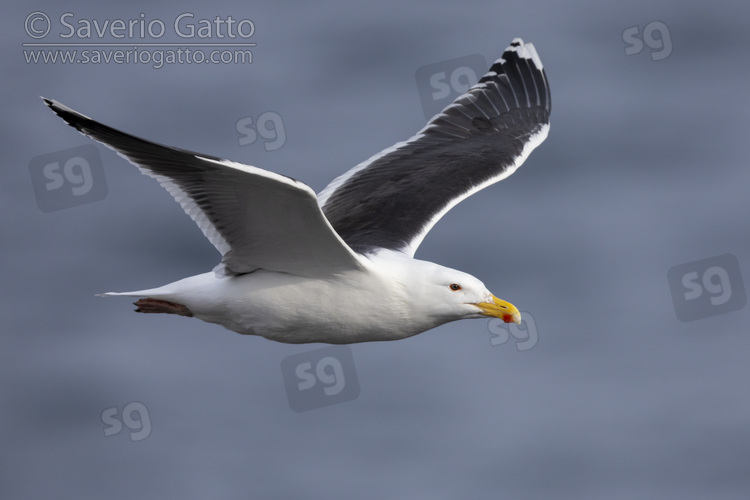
(645, 169)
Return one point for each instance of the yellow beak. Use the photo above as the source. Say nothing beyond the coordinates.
(500, 309)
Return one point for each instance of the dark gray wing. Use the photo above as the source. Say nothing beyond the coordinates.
(394, 198)
(255, 218)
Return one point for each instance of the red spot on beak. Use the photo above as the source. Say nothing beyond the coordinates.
(508, 318)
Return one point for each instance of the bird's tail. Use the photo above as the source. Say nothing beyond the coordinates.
(160, 292)
(151, 304)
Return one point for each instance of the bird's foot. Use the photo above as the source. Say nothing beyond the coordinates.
(161, 306)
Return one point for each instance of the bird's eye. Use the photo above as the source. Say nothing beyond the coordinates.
(455, 287)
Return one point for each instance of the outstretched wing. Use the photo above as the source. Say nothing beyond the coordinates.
(257, 219)
(394, 198)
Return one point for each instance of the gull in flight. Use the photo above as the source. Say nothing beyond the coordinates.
(339, 267)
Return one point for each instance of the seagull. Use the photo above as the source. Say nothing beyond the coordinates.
(339, 267)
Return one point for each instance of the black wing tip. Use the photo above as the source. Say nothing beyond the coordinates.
(71, 116)
(55, 106)
(524, 71)
(513, 54)
(122, 142)
(523, 50)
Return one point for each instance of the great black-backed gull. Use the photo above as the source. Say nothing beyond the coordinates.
(338, 267)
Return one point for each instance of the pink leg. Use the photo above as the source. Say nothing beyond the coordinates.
(161, 306)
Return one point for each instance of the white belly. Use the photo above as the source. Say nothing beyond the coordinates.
(294, 309)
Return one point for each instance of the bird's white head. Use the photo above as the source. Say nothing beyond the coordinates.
(445, 294)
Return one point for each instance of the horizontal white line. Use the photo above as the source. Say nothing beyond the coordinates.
(139, 44)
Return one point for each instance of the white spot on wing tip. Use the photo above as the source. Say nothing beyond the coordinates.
(526, 51)
(534, 56)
